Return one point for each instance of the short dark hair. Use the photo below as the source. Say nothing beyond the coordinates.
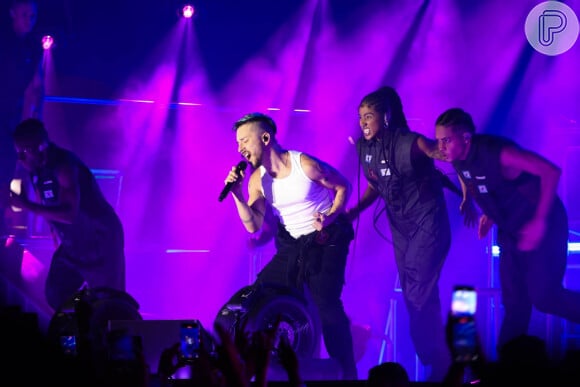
(267, 122)
(456, 118)
(30, 129)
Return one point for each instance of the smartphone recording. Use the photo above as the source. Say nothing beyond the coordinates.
(68, 345)
(190, 340)
(464, 301)
(463, 329)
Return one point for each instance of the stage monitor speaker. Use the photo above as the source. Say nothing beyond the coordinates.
(259, 307)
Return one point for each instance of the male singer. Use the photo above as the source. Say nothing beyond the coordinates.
(308, 198)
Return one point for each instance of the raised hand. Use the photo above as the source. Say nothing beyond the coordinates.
(231, 363)
(289, 360)
(169, 362)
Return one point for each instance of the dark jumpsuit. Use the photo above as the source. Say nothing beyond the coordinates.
(421, 235)
(527, 279)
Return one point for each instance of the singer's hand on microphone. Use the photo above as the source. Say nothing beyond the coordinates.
(235, 179)
(232, 181)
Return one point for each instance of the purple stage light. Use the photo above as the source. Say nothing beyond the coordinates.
(188, 11)
(47, 42)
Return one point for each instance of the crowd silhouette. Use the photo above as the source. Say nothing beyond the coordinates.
(238, 360)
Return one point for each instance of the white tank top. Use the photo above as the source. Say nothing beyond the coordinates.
(296, 198)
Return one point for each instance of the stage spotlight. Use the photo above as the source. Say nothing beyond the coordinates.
(47, 42)
(188, 11)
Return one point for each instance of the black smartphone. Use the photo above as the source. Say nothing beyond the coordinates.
(68, 344)
(190, 340)
(463, 329)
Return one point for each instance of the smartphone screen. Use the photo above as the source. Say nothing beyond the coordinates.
(68, 344)
(464, 301)
(464, 331)
(190, 340)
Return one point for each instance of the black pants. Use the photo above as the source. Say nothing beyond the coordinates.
(318, 261)
(103, 266)
(421, 247)
(535, 278)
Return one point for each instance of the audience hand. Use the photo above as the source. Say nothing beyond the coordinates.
(169, 362)
(289, 360)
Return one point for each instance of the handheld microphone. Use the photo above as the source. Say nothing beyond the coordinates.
(239, 168)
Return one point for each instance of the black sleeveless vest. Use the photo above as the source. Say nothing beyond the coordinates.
(409, 190)
(94, 210)
(509, 203)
